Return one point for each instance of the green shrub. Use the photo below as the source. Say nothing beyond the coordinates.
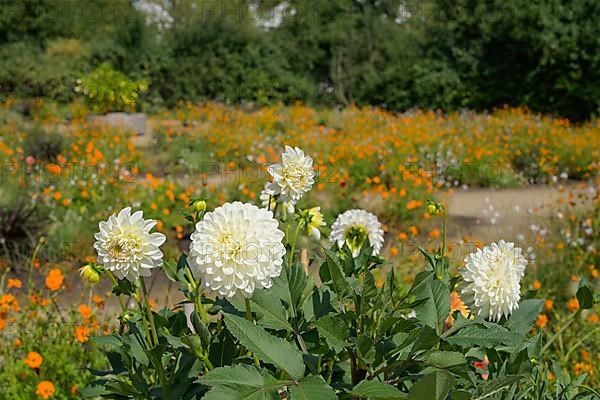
(42, 144)
(107, 89)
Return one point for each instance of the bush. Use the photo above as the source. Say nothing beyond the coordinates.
(42, 144)
(106, 90)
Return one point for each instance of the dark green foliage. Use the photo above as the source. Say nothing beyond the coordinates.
(437, 54)
(42, 144)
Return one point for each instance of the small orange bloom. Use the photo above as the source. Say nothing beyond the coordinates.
(18, 342)
(549, 304)
(542, 321)
(85, 311)
(394, 251)
(537, 285)
(435, 233)
(33, 360)
(402, 236)
(593, 318)
(82, 334)
(45, 389)
(14, 283)
(573, 304)
(54, 279)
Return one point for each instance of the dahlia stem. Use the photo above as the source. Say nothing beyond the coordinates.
(248, 310)
(114, 281)
(294, 242)
(149, 312)
(251, 319)
(444, 234)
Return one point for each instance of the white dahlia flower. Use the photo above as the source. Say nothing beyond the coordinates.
(354, 227)
(267, 194)
(492, 280)
(237, 249)
(126, 247)
(294, 176)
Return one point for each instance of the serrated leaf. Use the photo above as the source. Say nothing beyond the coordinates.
(334, 331)
(339, 283)
(312, 388)
(489, 337)
(435, 308)
(373, 390)
(445, 359)
(434, 386)
(523, 318)
(269, 348)
(270, 311)
(234, 375)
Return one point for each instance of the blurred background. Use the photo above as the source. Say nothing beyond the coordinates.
(434, 54)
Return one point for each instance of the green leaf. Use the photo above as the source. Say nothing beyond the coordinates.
(585, 295)
(435, 386)
(269, 348)
(234, 375)
(523, 318)
(338, 280)
(373, 390)
(445, 359)
(312, 388)
(223, 392)
(290, 286)
(334, 331)
(270, 311)
(460, 395)
(435, 308)
(489, 337)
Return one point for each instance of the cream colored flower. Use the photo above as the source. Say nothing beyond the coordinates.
(293, 177)
(492, 280)
(237, 249)
(312, 220)
(268, 195)
(126, 247)
(354, 227)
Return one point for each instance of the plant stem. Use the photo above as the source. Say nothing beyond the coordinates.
(580, 342)
(149, 312)
(114, 281)
(251, 319)
(444, 234)
(296, 233)
(568, 323)
(248, 310)
(32, 265)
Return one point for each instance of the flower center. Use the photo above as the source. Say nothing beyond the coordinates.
(356, 236)
(125, 246)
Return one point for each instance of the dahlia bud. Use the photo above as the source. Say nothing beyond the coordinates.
(199, 205)
(434, 208)
(90, 273)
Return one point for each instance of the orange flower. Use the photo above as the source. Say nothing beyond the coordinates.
(542, 321)
(82, 334)
(85, 311)
(14, 283)
(45, 389)
(537, 285)
(434, 233)
(549, 304)
(54, 279)
(394, 251)
(33, 360)
(593, 318)
(18, 342)
(573, 304)
(456, 304)
(402, 236)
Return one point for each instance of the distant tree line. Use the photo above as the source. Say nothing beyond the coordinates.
(436, 54)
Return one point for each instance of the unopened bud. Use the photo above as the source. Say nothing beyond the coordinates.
(199, 205)
(90, 274)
